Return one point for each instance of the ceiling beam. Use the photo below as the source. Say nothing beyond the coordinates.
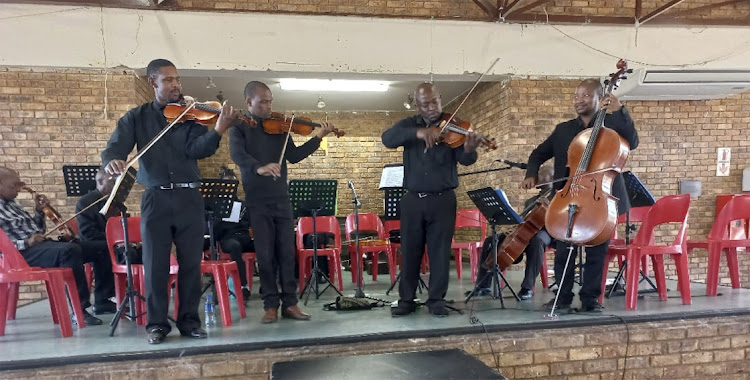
(705, 7)
(508, 8)
(658, 11)
(621, 20)
(488, 8)
(129, 4)
(527, 7)
(638, 8)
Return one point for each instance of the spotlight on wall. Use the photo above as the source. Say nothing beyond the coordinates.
(210, 83)
(321, 103)
(408, 102)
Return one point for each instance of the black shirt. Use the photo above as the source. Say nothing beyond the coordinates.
(432, 171)
(91, 223)
(252, 147)
(556, 146)
(174, 158)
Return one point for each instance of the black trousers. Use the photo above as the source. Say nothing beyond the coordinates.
(429, 220)
(172, 216)
(235, 245)
(51, 254)
(592, 272)
(274, 246)
(534, 259)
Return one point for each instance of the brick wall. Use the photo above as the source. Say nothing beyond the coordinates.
(714, 348)
(55, 117)
(468, 10)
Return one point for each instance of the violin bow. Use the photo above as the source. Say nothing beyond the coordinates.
(286, 141)
(55, 228)
(143, 151)
(469, 93)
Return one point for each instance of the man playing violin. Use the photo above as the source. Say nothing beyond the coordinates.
(172, 209)
(428, 209)
(264, 180)
(27, 233)
(534, 250)
(588, 99)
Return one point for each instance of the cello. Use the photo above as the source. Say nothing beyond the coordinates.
(584, 212)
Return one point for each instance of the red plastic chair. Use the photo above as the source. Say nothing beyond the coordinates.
(617, 244)
(114, 234)
(369, 223)
(14, 269)
(718, 241)
(469, 218)
(221, 270)
(323, 224)
(669, 209)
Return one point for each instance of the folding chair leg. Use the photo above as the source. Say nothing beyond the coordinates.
(631, 283)
(4, 293)
(712, 276)
(238, 293)
(657, 261)
(683, 279)
(222, 294)
(12, 300)
(734, 268)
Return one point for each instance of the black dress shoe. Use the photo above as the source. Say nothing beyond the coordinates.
(89, 319)
(439, 311)
(525, 294)
(592, 307)
(196, 333)
(479, 292)
(107, 307)
(156, 336)
(403, 308)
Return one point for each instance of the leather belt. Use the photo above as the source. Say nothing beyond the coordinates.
(180, 185)
(423, 195)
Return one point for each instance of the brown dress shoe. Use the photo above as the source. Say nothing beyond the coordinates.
(294, 312)
(271, 316)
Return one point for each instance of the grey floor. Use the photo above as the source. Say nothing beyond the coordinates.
(33, 340)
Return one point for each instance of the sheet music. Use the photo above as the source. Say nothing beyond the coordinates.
(234, 217)
(392, 176)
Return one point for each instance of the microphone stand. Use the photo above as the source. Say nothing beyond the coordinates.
(485, 171)
(358, 293)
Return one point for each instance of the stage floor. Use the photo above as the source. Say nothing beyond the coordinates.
(33, 341)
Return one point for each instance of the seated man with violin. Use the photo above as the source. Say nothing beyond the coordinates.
(534, 250)
(262, 151)
(28, 234)
(428, 209)
(589, 98)
(234, 237)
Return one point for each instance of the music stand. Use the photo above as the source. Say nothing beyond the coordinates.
(393, 212)
(639, 196)
(218, 197)
(310, 197)
(494, 206)
(130, 293)
(79, 180)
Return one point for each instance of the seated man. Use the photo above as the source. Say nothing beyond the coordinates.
(234, 237)
(27, 233)
(534, 251)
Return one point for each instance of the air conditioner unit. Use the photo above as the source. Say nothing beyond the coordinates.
(645, 84)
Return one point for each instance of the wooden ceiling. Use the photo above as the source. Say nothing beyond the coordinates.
(633, 12)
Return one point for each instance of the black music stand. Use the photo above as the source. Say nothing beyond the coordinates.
(79, 180)
(310, 197)
(639, 196)
(218, 196)
(130, 293)
(494, 206)
(393, 212)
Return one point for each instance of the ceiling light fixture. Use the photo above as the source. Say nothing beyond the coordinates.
(321, 103)
(323, 85)
(210, 83)
(408, 102)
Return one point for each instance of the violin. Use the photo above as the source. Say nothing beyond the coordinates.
(278, 124)
(453, 132)
(584, 212)
(515, 243)
(66, 232)
(206, 113)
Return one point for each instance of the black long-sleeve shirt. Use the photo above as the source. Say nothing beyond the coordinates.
(91, 223)
(556, 146)
(432, 171)
(174, 158)
(252, 147)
